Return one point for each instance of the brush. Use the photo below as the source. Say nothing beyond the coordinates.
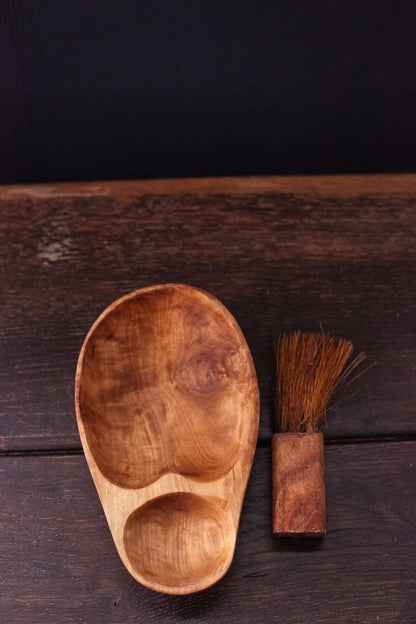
(309, 367)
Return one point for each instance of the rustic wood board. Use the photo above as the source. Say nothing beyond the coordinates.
(58, 562)
(280, 253)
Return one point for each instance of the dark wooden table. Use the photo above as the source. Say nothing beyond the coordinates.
(281, 254)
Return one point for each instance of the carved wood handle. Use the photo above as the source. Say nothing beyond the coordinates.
(298, 484)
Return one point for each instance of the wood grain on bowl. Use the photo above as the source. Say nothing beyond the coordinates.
(168, 408)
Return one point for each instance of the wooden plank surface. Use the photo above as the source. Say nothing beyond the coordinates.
(58, 563)
(325, 185)
(280, 253)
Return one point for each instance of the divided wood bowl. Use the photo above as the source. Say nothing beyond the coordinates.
(167, 408)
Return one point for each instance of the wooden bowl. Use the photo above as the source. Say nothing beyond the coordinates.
(167, 408)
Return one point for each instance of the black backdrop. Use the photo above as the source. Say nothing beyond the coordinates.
(107, 89)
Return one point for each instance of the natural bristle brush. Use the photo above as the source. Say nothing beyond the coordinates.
(309, 367)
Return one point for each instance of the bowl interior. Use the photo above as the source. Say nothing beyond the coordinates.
(178, 540)
(165, 385)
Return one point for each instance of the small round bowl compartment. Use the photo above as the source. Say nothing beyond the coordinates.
(175, 541)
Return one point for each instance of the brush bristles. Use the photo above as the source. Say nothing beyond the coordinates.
(309, 367)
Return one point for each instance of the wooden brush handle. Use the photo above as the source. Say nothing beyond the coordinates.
(298, 484)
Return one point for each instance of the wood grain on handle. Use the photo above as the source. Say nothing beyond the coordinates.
(298, 484)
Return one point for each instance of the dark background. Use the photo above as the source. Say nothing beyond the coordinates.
(100, 89)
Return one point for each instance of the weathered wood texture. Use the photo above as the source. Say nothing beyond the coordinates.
(281, 254)
(59, 564)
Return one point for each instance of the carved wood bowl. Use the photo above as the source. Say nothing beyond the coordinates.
(167, 408)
